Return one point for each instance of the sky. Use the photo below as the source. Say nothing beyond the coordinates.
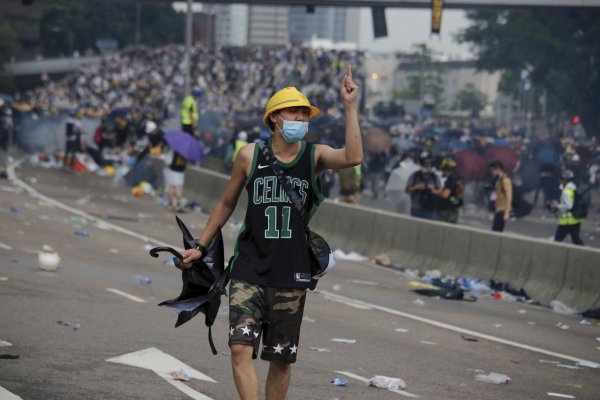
(408, 26)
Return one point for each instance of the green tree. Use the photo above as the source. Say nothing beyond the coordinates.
(470, 98)
(69, 25)
(9, 46)
(426, 80)
(560, 47)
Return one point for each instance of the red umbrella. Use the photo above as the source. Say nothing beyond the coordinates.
(505, 154)
(378, 141)
(470, 165)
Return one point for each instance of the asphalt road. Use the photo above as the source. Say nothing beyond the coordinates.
(423, 344)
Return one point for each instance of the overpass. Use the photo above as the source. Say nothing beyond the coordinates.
(461, 4)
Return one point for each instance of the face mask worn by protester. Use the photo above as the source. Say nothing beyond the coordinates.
(293, 131)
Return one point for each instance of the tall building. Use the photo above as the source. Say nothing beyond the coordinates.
(231, 25)
(337, 24)
(268, 25)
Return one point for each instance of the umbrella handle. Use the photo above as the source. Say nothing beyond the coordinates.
(154, 252)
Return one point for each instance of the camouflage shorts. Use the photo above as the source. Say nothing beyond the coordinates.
(273, 313)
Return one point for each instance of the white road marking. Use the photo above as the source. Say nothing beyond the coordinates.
(6, 395)
(102, 224)
(129, 296)
(5, 246)
(564, 396)
(163, 364)
(365, 380)
(347, 301)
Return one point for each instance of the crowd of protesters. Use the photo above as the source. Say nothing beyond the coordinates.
(141, 85)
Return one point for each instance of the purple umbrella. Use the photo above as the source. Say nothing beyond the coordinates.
(185, 144)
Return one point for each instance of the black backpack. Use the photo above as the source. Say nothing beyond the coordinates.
(581, 205)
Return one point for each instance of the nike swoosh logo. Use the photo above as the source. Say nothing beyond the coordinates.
(262, 166)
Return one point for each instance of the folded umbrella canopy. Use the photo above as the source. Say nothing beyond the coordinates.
(185, 144)
(203, 283)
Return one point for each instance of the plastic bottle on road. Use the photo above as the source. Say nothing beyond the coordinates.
(493, 377)
(143, 280)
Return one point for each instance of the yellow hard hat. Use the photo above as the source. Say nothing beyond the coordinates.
(288, 97)
(448, 164)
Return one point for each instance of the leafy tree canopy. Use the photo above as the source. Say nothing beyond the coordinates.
(560, 47)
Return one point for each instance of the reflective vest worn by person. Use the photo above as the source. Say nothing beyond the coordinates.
(567, 200)
(189, 111)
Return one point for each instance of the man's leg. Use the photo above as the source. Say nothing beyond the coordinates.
(575, 238)
(244, 373)
(561, 233)
(278, 380)
(498, 224)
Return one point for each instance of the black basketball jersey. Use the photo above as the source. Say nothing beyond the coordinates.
(271, 249)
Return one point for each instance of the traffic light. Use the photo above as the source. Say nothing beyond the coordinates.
(576, 120)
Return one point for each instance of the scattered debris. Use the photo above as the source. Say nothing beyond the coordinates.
(588, 364)
(82, 233)
(308, 319)
(567, 366)
(339, 381)
(419, 302)
(142, 280)
(550, 362)
(522, 311)
(180, 375)
(469, 338)
(430, 343)
(497, 325)
(4, 343)
(493, 377)
(69, 324)
(403, 330)
(562, 325)
(48, 259)
(385, 382)
(561, 308)
(352, 256)
(9, 356)
(320, 349)
(3, 279)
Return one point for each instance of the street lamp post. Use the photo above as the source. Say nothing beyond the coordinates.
(188, 50)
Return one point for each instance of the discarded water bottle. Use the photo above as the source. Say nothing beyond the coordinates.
(339, 381)
(82, 233)
(143, 280)
(493, 377)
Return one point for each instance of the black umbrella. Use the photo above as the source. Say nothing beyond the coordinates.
(203, 283)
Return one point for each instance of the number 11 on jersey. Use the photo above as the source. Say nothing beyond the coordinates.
(272, 232)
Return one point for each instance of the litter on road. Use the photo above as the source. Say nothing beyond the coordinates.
(69, 324)
(339, 381)
(430, 343)
(4, 343)
(493, 377)
(320, 349)
(385, 382)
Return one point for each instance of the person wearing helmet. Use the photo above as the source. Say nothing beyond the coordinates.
(270, 270)
(449, 196)
(420, 187)
(568, 224)
(189, 112)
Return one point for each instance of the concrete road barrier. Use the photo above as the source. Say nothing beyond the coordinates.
(581, 287)
(544, 269)
(514, 261)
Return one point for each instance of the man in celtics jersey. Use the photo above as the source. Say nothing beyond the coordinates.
(270, 269)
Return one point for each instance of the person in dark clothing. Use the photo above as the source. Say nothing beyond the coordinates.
(73, 132)
(450, 196)
(420, 186)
